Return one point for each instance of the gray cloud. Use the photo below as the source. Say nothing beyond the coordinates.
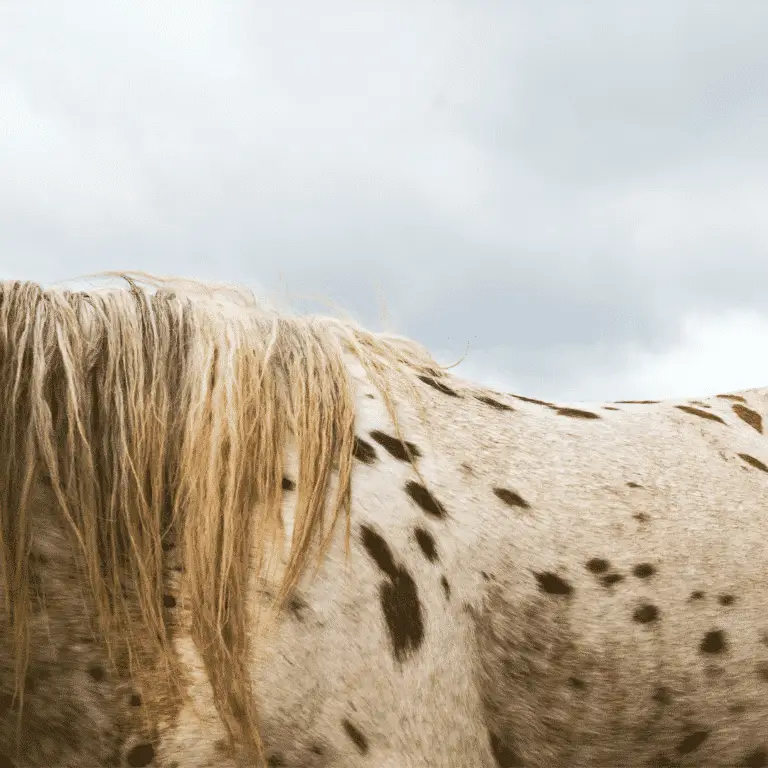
(552, 184)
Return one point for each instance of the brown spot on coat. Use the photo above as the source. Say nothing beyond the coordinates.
(494, 403)
(427, 544)
(288, 485)
(577, 413)
(534, 401)
(364, 451)
(691, 742)
(645, 614)
(553, 584)
(757, 758)
(140, 755)
(399, 597)
(753, 418)
(637, 402)
(400, 449)
(425, 499)
(738, 398)
(511, 498)
(756, 463)
(598, 565)
(643, 570)
(356, 736)
(713, 642)
(610, 579)
(439, 386)
(699, 412)
(504, 754)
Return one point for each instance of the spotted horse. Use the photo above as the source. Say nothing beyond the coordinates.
(230, 536)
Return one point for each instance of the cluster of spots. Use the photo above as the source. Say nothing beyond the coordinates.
(574, 413)
(540, 627)
(78, 708)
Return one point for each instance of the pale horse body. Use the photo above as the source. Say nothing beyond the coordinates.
(517, 583)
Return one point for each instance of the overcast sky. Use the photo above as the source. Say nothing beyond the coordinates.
(576, 194)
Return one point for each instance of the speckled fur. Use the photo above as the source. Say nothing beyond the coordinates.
(577, 585)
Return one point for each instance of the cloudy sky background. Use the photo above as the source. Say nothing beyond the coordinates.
(575, 193)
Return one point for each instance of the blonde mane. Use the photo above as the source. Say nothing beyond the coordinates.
(162, 408)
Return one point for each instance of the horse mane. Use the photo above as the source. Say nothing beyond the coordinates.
(163, 407)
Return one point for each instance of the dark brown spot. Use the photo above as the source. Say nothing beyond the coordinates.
(439, 386)
(577, 683)
(363, 451)
(552, 584)
(752, 418)
(446, 587)
(713, 642)
(427, 544)
(726, 600)
(577, 413)
(534, 401)
(140, 755)
(643, 570)
(356, 736)
(700, 404)
(692, 742)
(511, 498)
(698, 412)
(297, 606)
(611, 579)
(662, 695)
(379, 551)
(737, 398)
(494, 403)
(610, 408)
(97, 672)
(169, 601)
(737, 709)
(762, 671)
(424, 499)
(504, 754)
(756, 463)
(399, 597)
(642, 517)
(697, 594)
(397, 448)
(636, 402)
(598, 565)
(167, 545)
(632, 484)
(135, 700)
(288, 484)
(645, 614)
(757, 758)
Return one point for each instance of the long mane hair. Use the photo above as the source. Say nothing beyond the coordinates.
(163, 408)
